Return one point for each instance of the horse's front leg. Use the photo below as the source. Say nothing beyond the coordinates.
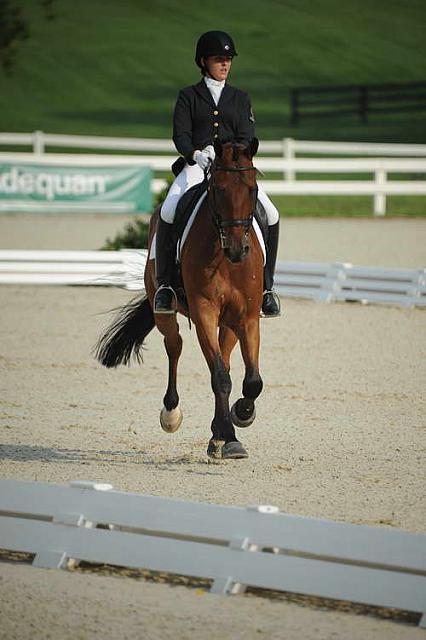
(224, 443)
(171, 414)
(243, 411)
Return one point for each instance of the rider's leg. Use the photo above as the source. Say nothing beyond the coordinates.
(271, 302)
(165, 297)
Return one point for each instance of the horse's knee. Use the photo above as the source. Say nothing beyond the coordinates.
(220, 378)
(252, 385)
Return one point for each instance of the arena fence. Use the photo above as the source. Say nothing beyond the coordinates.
(288, 147)
(288, 164)
(317, 281)
(233, 547)
(378, 185)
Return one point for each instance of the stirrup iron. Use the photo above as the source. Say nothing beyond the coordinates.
(173, 301)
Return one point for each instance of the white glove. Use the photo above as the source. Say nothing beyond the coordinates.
(210, 152)
(202, 158)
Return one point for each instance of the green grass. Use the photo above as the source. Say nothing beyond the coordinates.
(114, 68)
(348, 206)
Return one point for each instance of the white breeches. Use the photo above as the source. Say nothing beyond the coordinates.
(191, 175)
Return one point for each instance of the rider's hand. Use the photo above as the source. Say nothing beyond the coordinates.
(210, 152)
(202, 158)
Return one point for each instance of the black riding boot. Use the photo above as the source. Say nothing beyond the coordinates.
(165, 297)
(271, 302)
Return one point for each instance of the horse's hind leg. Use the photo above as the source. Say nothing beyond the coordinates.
(171, 414)
(243, 411)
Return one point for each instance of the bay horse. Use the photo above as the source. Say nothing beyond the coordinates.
(222, 272)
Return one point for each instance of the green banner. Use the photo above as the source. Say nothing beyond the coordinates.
(49, 187)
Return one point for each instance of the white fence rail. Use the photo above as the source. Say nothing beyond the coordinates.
(317, 281)
(288, 147)
(379, 187)
(58, 524)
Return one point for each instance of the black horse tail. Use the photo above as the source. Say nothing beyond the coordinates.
(126, 334)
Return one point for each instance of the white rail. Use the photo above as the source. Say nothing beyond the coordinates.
(58, 524)
(288, 147)
(379, 188)
(317, 281)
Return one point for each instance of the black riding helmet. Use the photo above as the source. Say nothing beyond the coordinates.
(214, 43)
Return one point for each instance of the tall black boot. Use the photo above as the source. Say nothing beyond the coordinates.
(165, 298)
(271, 303)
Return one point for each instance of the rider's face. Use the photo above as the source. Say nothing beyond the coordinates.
(218, 67)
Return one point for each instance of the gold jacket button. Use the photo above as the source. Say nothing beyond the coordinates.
(215, 124)
(215, 135)
(215, 113)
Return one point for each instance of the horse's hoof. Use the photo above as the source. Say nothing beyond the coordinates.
(241, 422)
(171, 420)
(214, 450)
(233, 450)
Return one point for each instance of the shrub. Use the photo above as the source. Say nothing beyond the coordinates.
(135, 233)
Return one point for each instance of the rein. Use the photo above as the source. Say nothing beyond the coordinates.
(220, 224)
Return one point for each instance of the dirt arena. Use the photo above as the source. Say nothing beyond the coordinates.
(339, 434)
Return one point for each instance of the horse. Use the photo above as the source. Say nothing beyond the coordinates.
(221, 265)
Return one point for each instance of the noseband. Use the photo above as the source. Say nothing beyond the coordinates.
(220, 224)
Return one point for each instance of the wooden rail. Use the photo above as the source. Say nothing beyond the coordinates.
(288, 147)
(317, 281)
(379, 188)
(58, 524)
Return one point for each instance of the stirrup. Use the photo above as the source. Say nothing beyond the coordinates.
(275, 303)
(165, 307)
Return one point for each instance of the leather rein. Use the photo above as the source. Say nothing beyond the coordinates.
(220, 224)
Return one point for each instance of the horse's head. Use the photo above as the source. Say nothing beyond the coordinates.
(233, 195)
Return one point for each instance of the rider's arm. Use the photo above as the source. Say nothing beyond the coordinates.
(182, 128)
(245, 128)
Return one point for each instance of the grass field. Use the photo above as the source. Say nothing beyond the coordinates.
(114, 68)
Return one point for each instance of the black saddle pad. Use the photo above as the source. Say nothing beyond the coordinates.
(185, 207)
(262, 220)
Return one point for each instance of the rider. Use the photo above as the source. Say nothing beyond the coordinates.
(205, 112)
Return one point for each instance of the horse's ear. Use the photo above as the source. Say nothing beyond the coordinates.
(218, 148)
(254, 145)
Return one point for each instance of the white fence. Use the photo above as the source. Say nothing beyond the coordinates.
(379, 187)
(288, 147)
(58, 524)
(289, 165)
(317, 281)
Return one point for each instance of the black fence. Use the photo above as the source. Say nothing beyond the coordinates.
(361, 100)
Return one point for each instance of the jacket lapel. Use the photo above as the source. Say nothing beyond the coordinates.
(227, 93)
(202, 90)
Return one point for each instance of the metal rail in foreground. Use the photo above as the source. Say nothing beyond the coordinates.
(234, 547)
(317, 281)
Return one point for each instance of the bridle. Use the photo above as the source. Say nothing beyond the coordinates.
(220, 224)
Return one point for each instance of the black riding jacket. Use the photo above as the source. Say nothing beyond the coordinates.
(198, 122)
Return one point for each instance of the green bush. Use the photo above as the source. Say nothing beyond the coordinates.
(133, 236)
(135, 233)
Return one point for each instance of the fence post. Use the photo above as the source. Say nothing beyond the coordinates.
(289, 153)
(379, 195)
(38, 142)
